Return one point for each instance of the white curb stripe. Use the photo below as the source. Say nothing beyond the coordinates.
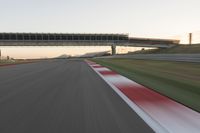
(161, 116)
(152, 123)
(102, 69)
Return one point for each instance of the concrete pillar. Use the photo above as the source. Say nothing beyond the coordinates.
(113, 47)
(0, 55)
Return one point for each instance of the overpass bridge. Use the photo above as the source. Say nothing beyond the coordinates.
(55, 39)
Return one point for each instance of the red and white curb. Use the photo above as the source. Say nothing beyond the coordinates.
(161, 113)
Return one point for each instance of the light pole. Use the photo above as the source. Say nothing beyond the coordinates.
(190, 38)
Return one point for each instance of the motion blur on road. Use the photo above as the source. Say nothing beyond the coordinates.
(62, 96)
(95, 66)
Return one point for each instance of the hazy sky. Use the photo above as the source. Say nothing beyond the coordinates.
(143, 18)
(137, 17)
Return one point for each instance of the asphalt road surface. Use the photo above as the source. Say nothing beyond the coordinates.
(61, 96)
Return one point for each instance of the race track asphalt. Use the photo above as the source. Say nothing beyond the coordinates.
(62, 96)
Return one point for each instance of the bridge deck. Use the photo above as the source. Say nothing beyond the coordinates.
(61, 37)
(51, 39)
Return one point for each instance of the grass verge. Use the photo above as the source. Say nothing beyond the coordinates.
(179, 49)
(177, 80)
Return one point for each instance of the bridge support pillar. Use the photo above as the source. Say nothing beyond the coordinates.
(113, 47)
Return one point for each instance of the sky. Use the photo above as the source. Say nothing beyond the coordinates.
(138, 18)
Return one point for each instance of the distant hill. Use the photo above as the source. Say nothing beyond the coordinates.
(179, 49)
(96, 54)
(64, 56)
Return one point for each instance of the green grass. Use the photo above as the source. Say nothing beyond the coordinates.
(6, 62)
(177, 80)
(179, 49)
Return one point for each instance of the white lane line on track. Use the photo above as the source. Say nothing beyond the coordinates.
(151, 122)
(174, 116)
(169, 115)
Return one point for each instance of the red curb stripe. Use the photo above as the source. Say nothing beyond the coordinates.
(106, 73)
(142, 94)
(97, 67)
(171, 116)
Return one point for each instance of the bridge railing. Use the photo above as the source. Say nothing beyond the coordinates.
(153, 41)
(63, 37)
